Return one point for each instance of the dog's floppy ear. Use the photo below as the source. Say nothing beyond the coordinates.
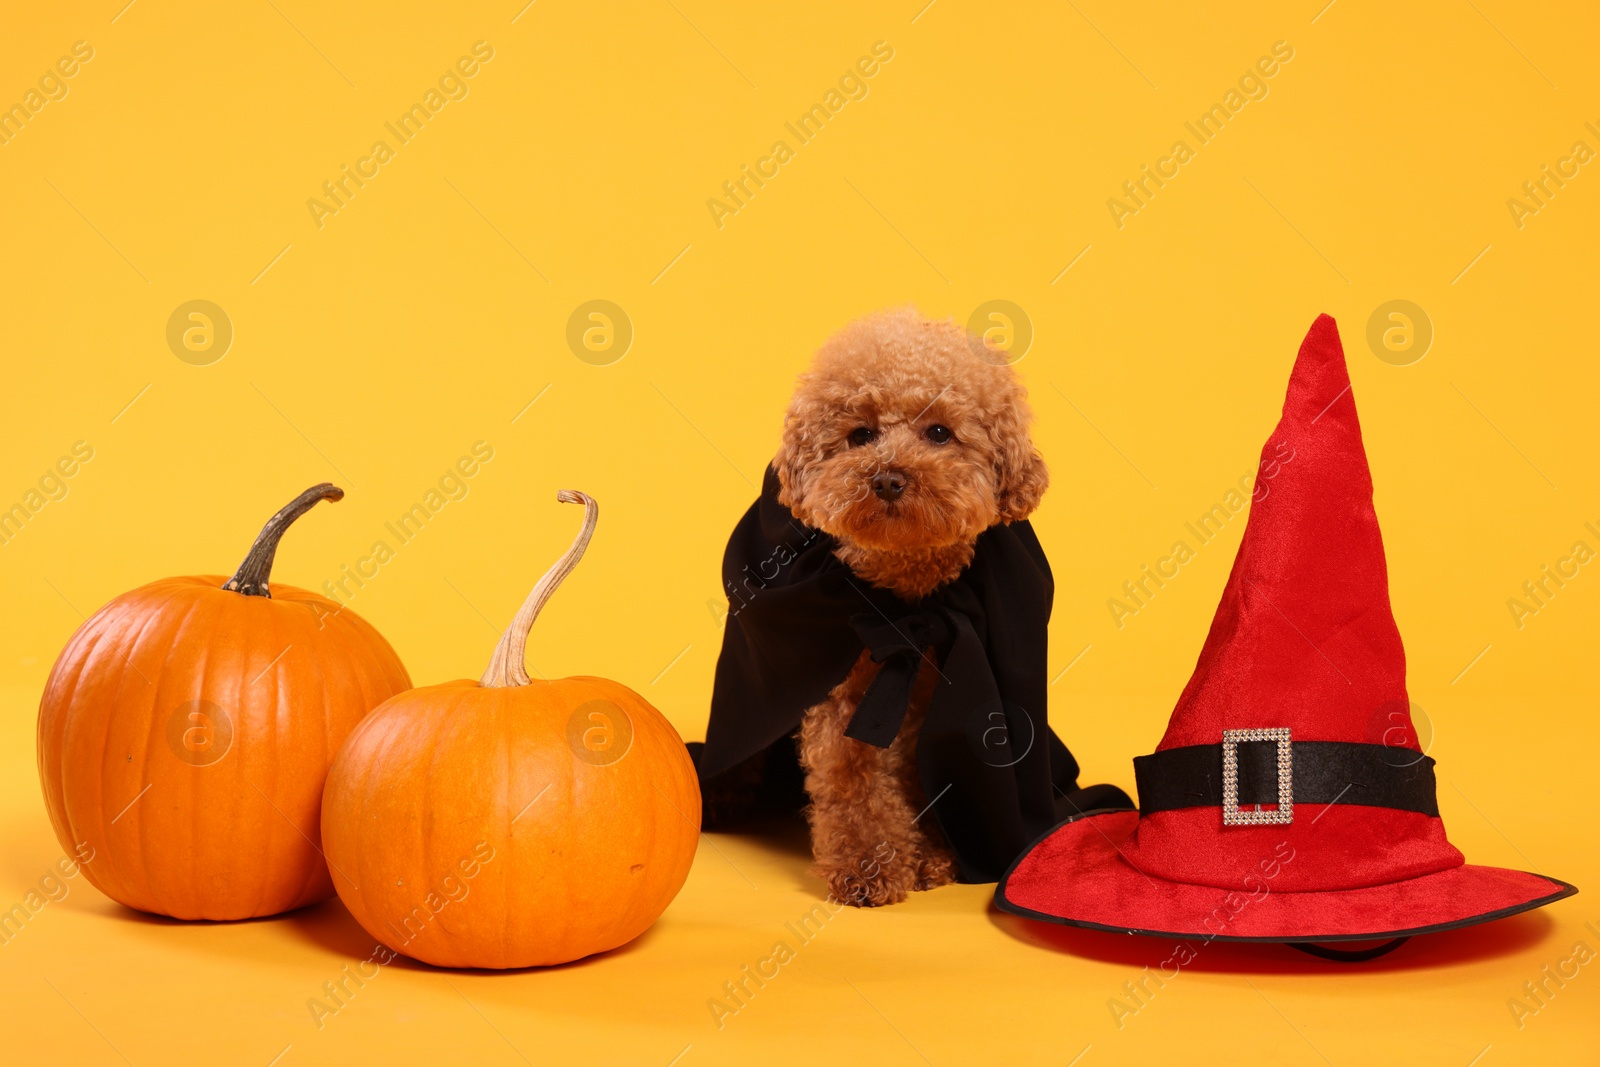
(789, 468)
(1020, 474)
(795, 454)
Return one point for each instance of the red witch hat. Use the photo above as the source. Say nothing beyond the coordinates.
(1289, 799)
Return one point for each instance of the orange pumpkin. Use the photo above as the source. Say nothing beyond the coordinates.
(186, 731)
(512, 822)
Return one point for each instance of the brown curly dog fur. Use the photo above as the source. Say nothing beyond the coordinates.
(905, 441)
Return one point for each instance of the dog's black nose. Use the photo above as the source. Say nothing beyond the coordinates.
(888, 485)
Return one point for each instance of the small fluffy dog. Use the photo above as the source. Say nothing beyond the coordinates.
(906, 440)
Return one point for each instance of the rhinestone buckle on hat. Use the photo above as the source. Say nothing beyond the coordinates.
(1231, 815)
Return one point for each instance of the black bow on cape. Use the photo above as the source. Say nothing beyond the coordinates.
(798, 618)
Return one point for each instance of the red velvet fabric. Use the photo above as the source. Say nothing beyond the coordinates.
(1340, 846)
(1077, 873)
(1303, 638)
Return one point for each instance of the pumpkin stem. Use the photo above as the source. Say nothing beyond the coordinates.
(251, 577)
(508, 667)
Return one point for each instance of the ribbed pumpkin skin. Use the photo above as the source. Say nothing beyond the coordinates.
(436, 774)
(238, 837)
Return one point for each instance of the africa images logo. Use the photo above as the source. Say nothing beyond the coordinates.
(199, 733)
(452, 85)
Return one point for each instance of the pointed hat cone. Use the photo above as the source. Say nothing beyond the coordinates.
(1304, 636)
(1289, 799)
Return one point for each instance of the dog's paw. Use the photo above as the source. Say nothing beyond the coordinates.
(886, 885)
(935, 869)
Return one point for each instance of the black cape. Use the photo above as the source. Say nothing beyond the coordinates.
(798, 618)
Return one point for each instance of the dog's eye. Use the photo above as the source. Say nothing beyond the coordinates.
(862, 435)
(939, 435)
